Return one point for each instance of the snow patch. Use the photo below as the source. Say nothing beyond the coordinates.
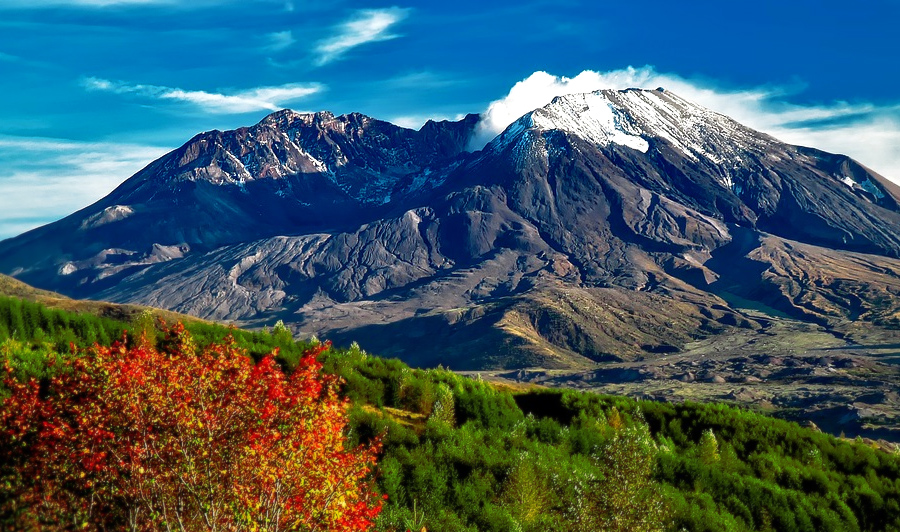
(238, 164)
(590, 116)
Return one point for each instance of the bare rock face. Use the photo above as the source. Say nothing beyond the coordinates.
(605, 226)
(292, 173)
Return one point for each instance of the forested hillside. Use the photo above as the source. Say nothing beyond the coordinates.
(464, 454)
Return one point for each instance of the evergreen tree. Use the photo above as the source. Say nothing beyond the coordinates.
(708, 448)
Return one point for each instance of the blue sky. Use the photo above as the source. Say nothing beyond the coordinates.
(93, 90)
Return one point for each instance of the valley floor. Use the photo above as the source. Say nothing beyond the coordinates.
(845, 380)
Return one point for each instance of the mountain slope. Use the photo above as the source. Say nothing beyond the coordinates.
(292, 172)
(603, 226)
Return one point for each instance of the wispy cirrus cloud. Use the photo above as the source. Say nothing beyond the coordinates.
(53, 177)
(867, 132)
(244, 101)
(421, 80)
(278, 41)
(366, 26)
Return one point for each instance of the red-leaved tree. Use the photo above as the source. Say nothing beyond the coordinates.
(182, 438)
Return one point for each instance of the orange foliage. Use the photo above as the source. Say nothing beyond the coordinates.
(181, 438)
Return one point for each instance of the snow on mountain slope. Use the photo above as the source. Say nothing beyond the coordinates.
(631, 117)
(592, 116)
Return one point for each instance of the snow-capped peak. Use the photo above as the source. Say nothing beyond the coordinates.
(591, 116)
(632, 117)
(695, 130)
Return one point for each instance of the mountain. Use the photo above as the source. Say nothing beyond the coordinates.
(613, 225)
(235, 186)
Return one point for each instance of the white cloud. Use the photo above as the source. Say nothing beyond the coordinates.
(258, 99)
(278, 41)
(55, 177)
(866, 132)
(367, 25)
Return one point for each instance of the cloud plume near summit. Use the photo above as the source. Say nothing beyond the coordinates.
(867, 132)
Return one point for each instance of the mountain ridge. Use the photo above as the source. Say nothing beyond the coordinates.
(633, 203)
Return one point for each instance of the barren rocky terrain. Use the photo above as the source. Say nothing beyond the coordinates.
(843, 380)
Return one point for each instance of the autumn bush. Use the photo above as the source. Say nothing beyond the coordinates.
(178, 437)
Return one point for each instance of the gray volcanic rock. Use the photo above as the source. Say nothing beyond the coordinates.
(603, 226)
(669, 148)
(290, 174)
